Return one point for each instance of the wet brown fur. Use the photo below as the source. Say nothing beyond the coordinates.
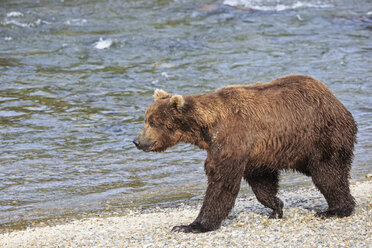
(254, 131)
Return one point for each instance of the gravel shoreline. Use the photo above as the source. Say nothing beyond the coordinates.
(247, 226)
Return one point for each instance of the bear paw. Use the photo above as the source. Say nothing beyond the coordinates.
(342, 212)
(277, 213)
(183, 228)
(325, 214)
(190, 229)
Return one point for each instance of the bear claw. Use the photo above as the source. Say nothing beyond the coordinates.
(276, 215)
(189, 229)
(183, 228)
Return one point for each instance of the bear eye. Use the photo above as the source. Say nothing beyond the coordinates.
(151, 123)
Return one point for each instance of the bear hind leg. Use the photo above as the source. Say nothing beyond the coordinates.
(332, 180)
(265, 186)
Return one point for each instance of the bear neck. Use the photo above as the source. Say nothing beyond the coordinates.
(205, 111)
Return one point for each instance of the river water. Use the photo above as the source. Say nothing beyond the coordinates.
(76, 78)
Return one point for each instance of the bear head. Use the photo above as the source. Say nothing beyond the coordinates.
(165, 123)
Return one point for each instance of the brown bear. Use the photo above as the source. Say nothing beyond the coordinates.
(254, 131)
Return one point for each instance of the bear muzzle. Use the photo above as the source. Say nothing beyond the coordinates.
(136, 142)
(144, 145)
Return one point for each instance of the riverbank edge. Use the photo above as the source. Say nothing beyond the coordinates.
(136, 226)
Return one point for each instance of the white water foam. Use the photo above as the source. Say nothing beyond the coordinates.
(275, 5)
(15, 23)
(24, 25)
(164, 74)
(14, 14)
(11, 19)
(77, 22)
(103, 44)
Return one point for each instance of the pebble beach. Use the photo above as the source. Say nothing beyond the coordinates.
(246, 226)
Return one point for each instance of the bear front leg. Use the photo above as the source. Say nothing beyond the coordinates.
(218, 201)
(223, 188)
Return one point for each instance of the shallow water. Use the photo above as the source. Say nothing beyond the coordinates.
(77, 76)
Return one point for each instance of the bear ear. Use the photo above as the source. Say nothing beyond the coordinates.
(177, 101)
(161, 94)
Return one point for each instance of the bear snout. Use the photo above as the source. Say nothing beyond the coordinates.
(136, 142)
(143, 143)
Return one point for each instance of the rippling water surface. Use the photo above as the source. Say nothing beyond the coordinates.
(77, 76)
